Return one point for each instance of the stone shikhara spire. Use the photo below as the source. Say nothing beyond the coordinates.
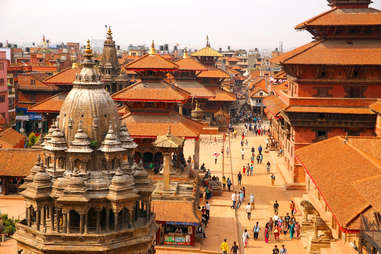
(79, 193)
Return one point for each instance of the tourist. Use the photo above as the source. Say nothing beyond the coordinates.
(243, 153)
(239, 176)
(283, 250)
(276, 207)
(292, 230)
(285, 227)
(242, 143)
(252, 199)
(215, 157)
(247, 143)
(260, 149)
(267, 234)
(243, 169)
(233, 199)
(224, 247)
(203, 169)
(258, 158)
(252, 150)
(248, 211)
(244, 191)
(275, 250)
(240, 198)
(292, 207)
(256, 230)
(297, 230)
(234, 248)
(248, 171)
(245, 237)
(276, 231)
(252, 158)
(287, 219)
(207, 207)
(229, 183)
(224, 182)
(204, 219)
(268, 165)
(251, 170)
(272, 179)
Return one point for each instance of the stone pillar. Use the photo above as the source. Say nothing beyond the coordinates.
(166, 171)
(107, 219)
(58, 212)
(27, 216)
(38, 217)
(51, 218)
(64, 222)
(196, 156)
(43, 217)
(180, 108)
(147, 210)
(68, 222)
(98, 221)
(85, 230)
(81, 222)
(116, 214)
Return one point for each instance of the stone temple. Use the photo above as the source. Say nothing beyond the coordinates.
(86, 194)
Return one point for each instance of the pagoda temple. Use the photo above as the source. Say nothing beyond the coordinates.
(332, 81)
(155, 103)
(86, 194)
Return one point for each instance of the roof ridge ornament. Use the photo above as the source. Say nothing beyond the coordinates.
(152, 50)
(207, 41)
(109, 33)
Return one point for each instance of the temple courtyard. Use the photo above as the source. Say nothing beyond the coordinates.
(224, 222)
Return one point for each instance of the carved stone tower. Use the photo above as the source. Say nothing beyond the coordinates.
(86, 194)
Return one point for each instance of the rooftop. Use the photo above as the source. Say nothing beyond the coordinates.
(64, 77)
(213, 73)
(10, 138)
(151, 62)
(207, 51)
(190, 64)
(17, 162)
(50, 105)
(182, 211)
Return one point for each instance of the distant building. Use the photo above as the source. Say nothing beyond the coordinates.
(4, 103)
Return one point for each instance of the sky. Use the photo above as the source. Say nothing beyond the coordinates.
(246, 24)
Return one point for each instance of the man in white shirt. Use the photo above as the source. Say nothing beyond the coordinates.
(233, 199)
(248, 211)
(207, 207)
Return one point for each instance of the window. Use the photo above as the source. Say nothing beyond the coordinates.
(1, 66)
(322, 92)
(2, 98)
(355, 91)
(33, 82)
(2, 83)
(321, 135)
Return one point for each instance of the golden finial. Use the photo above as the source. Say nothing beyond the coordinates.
(88, 50)
(185, 53)
(207, 41)
(152, 51)
(109, 30)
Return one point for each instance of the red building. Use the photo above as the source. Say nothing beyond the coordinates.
(332, 81)
(4, 118)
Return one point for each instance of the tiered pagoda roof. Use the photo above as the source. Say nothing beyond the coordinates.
(213, 73)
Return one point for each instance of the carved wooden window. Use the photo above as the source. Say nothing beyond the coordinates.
(355, 91)
(322, 92)
(321, 135)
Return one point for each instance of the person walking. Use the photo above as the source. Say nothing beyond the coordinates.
(292, 230)
(283, 250)
(239, 176)
(234, 248)
(256, 230)
(275, 250)
(276, 207)
(243, 169)
(292, 208)
(268, 165)
(251, 170)
(276, 232)
(260, 149)
(215, 157)
(252, 199)
(245, 237)
(258, 158)
(248, 211)
(252, 150)
(224, 182)
(233, 199)
(243, 153)
(207, 209)
(297, 230)
(267, 234)
(229, 183)
(224, 247)
(272, 179)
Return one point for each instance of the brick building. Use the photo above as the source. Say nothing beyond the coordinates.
(331, 81)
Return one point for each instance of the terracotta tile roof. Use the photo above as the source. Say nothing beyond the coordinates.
(17, 162)
(10, 138)
(50, 105)
(64, 77)
(259, 86)
(175, 211)
(153, 62)
(207, 51)
(282, 57)
(337, 170)
(335, 52)
(274, 104)
(281, 87)
(333, 110)
(152, 91)
(370, 190)
(255, 73)
(233, 59)
(190, 64)
(195, 88)
(155, 123)
(221, 95)
(213, 73)
(344, 17)
(281, 75)
(254, 81)
(26, 85)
